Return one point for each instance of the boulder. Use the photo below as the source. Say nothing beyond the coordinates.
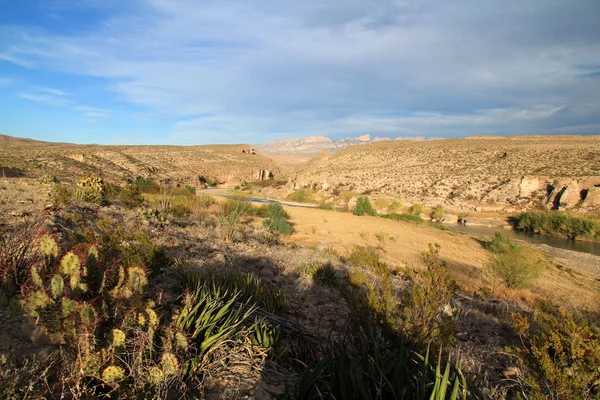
(528, 185)
(325, 186)
(592, 198)
(570, 197)
(352, 203)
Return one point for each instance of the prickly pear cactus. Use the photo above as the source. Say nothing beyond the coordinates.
(48, 247)
(90, 189)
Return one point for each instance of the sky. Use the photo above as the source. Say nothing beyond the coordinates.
(253, 71)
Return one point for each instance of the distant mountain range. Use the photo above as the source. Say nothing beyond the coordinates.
(316, 144)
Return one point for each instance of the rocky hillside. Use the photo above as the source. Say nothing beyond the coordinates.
(179, 164)
(490, 173)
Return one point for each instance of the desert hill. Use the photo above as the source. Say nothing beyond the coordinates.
(180, 164)
(501, 172)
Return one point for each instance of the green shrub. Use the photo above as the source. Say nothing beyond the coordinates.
(501, 244)
(180, 211)
(205, 200)
(416, 209)
(557, 223)
(517, 266)
(111, 192)
(61, 195)
(437, 213)
(403, 217)
(190, 189)
(560, 357)
(363, 206)
(323, 274)
(302, 196)
(131, 197)
(367, 257)
(276, 221)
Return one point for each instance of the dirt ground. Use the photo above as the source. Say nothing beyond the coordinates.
(567, 279)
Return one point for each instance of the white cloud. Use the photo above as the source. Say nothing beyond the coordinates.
(56, 98)
(337, 67)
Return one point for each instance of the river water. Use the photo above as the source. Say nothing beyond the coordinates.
(575, 245)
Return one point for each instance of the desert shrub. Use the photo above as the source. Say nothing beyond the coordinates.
(424, 314)
(236, 187)
(48, 178)
(363, 206)
(323, 274)
(367, 257)
(437, 213)
(23, 379)
(501, 244)
(232, 216)
(205, 201)
(517, 266)
(182, 191)
(142, 182)
(262, 211)
(61, 195)
(302, 196)
(557, 223)
(111, 192)
(403, 217)
(276, 221)
(90, 190)
(379, 358)
(18, 250)
(347, 195)
(190, 189)
(416, 209)
(325, 205)
(213, 182)
(395, 206)
(180, 211)
(560, 357)
(131, 197)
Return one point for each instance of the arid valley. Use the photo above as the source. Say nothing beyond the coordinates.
(247, 271)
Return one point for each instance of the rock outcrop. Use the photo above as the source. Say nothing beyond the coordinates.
(528, 186)
(264, 174)
(592, 198)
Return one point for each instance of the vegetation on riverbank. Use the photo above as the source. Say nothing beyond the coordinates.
(559, 224)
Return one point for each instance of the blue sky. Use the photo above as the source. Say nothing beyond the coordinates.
(250, 71)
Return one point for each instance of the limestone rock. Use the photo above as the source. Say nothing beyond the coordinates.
(325, 186)
(570, 196)
(592, 198)
(352, 203)
(528, 185)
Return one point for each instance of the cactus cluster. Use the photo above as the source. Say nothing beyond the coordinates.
(103, 314)
(153, 216)
(91, 190)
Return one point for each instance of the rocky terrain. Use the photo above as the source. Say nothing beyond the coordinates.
(483, 173)
(183, 165)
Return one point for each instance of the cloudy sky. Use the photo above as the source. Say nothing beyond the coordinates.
(233, 71)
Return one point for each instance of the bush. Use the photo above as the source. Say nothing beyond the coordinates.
(560, 224)
(416, 209)
(323, 274)
(403, 217)
(190, 189)
(367, 257)
(363, 206)
(302, 196)
(437, 213)
(276, 221)
(560, 357)
(48, 178)
(501, 244)
(517, 266)
(60, 195)
(180, 211)
(131, 197)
